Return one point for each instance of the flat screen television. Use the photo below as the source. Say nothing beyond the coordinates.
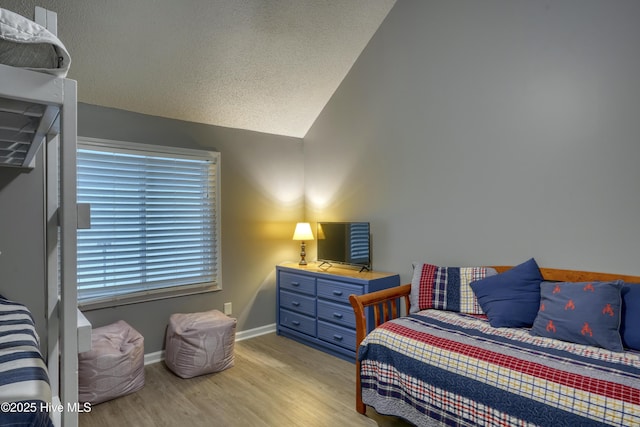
(346, 243)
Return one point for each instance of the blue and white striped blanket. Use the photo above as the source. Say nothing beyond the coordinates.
(24, 382)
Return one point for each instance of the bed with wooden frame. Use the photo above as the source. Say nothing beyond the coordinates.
(467, 373)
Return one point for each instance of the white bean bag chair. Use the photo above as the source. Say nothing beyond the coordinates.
(114, 366)
(200, 343)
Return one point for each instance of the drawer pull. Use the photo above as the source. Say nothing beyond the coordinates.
(295, 283)
(337, 315)
(337, 293)
(295, 303)
(295, 322)
(337, 337)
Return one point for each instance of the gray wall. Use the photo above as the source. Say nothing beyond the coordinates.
(487, 132)
(467, 132)
(262, 198)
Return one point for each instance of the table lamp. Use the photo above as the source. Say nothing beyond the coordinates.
(302, 233)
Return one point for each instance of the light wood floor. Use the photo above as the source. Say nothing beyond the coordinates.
(275, 382)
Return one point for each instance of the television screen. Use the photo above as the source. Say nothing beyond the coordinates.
(344, 243)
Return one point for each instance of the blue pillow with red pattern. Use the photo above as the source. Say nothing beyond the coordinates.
(584, 313)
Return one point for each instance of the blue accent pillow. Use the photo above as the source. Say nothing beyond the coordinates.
(511, 299)
(583, 313)
(629, 330)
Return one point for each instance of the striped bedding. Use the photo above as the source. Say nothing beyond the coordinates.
(24, 382)
(443, 367)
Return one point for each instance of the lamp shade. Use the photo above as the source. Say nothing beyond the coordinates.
(303, 231)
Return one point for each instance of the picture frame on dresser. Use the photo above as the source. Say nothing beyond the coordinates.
(313, 308)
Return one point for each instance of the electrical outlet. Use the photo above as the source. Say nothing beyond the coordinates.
(227, 308)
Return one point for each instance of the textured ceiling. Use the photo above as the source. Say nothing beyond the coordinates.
(263, 65)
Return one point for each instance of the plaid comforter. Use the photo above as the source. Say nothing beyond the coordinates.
(443, 367)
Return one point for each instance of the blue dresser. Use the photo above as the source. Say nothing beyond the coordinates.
(313, 304)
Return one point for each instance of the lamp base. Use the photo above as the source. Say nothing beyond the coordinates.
(302, 254)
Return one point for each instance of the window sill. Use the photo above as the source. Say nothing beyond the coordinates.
(142, 297)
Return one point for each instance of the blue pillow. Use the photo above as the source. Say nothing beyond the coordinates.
(511, 299)
(583, 313)
(629, 330)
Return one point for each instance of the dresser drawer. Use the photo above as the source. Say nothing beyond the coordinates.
(297, 302)
(337, 291)
(337, 313)
(337, 335)
(298, 283)
(298, 322)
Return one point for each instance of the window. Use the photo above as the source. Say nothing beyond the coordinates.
(154, 222)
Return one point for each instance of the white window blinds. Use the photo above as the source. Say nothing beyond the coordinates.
(154, 222)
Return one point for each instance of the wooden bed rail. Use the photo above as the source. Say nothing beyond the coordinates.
(385, 305)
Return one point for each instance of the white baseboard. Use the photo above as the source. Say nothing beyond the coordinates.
(154, 357)
(255, 332)
(158, 356)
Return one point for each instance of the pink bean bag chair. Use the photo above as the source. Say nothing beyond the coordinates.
(114, 366)
(200, 343)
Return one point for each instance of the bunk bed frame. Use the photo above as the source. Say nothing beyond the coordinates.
(47, 116)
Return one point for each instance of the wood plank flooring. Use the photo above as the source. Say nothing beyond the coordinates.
(275, 382)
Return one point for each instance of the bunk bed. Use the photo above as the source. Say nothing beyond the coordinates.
(38, 111)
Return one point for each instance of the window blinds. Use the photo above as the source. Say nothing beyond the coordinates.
(153, 223)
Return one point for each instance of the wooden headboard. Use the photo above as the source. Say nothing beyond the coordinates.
(558, 275)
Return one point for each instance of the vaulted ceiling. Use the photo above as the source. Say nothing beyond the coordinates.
(263, 65)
